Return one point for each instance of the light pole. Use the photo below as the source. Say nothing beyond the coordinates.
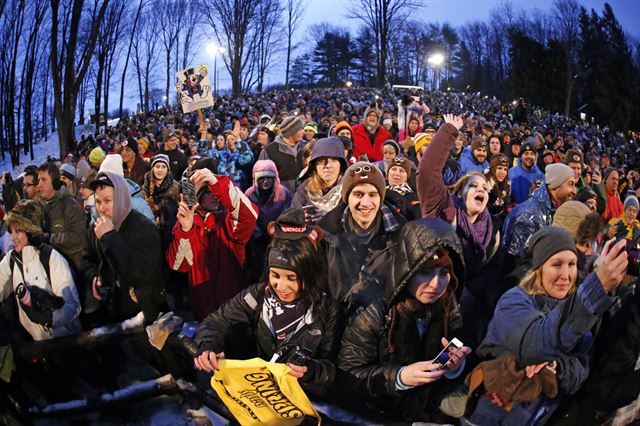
(436, 60)
(213, 49)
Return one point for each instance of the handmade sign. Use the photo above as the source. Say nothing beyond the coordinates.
(194, 88)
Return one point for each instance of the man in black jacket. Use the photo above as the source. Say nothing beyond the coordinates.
(122, 258)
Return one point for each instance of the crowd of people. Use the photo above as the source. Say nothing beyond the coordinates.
(354, 234)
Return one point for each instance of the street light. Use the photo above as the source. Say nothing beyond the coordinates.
(213, 50)
(436, 60)
(349, 84)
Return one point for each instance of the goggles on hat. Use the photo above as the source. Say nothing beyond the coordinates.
(363, 170)
(398, 161)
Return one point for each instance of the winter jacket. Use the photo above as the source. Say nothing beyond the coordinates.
(437, 201)
(468, 164)
(523, 221)
(522, 180)
(213, 250)
(347, 256)
(319, 335)
(533, 328)
(285, 158)
(163, 202)
(323, 203)
(65, 320)
(233, 164)
(405, 199)
(137, 172)
(67, 226)
(368, 366)
(369, 145)
(129, 261)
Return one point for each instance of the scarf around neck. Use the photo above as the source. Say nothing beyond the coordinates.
(285, 318)
(475, 237)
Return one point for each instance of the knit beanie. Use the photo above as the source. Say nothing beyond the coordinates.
(68, 171)
(527, 147)
(96, 156)
(143, 142)
(290, 126)
(607, 173)
(160, 158)
(631, 200)
(498, 160)
(547, 242)
(478, 142)
(393, 144)
(131, 143)
(556, 174)
(570, 215)
(421, 139)
(311, 126)
(112, 163)
(401, 162)
(343, 125)
(573, 156)
(362, 172)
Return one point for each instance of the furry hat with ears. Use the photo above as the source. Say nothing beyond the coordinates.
(28, 216)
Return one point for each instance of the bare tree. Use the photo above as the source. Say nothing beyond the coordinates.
(168, 14)
(567, 17)
(107, 49)
(68, 67)
(382, 17)
(145, 57)
(131, 30)
(264, 46)
(233, 25)
(294, 11)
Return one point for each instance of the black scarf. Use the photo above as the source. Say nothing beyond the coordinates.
(157, 192)
(284, 317)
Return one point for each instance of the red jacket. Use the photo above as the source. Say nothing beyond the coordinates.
(362, 143)
(213, 250)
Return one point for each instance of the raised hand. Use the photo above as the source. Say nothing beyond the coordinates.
(611, 266)
(455, 120)
(185, 214)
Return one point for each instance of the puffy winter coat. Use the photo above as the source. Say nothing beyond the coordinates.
(65, 320)
(367, 365)
(523, 221)
(362, 144)
(522, 180)
(213, 250)
(319, 335)
(534, 327)
(468, 164)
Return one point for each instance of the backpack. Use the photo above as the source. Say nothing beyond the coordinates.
(45, 255)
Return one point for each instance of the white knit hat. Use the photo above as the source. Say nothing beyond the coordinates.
(112, 163)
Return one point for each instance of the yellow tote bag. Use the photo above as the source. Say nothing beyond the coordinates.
(258, 392)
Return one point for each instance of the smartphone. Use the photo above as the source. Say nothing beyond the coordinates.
(444, 357)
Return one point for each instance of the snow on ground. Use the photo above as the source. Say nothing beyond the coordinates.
(41, 150)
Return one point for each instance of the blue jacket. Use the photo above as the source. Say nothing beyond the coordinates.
(522, 180)
(530, 327)
(468, 163)
(523, 221)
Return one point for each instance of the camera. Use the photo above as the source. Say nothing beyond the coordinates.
(300, 356)
(633, 257)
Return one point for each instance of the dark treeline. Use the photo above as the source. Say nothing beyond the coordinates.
(63, 59)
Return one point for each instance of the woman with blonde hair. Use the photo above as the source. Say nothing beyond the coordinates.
(542, 329)
(321, 188)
